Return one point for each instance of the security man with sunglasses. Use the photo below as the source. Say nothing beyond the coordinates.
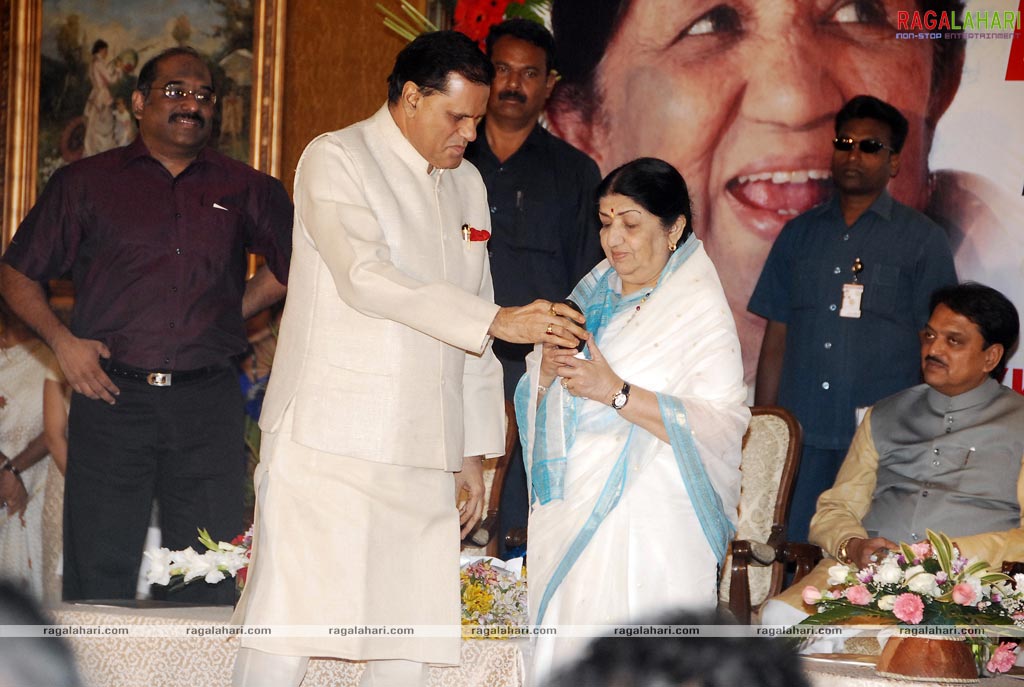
(845, 291)
(155, 236)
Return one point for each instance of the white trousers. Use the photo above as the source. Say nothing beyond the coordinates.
(394, 673)
(254, 668)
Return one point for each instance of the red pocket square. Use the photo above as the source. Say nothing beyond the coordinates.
(473, 234)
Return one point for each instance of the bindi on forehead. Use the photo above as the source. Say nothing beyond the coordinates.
(612, 212)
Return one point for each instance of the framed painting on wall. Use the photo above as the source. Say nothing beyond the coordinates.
(73, 64)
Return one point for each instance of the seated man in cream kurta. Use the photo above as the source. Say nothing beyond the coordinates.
(945, 455)
(384, 384)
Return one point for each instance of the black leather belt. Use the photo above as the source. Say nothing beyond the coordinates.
(161, 378)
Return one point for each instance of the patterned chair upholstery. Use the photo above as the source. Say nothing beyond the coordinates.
(754, 569)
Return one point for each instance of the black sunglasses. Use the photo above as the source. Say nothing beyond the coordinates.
(866, 145)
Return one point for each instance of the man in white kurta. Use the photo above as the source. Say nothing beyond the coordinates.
(383, 381)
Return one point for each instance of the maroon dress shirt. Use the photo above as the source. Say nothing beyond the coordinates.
(158, 262)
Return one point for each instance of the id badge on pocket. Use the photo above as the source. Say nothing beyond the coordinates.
(852, 294)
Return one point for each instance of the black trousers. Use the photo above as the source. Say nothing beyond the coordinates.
(181, 444)
(514, 511)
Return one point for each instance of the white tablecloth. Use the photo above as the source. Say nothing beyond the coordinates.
(135, 661)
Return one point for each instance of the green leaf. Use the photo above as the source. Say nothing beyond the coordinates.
(206, 540)
(534, 10)
(943, 550)
(976, 567)
(425, 25)
(843, 610)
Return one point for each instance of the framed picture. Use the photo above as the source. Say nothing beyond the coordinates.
(72, 65)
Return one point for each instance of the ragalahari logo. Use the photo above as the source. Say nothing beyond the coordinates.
(973, 20)
(1015, 63)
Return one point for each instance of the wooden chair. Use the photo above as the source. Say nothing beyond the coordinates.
(486, 533)
(754, 570)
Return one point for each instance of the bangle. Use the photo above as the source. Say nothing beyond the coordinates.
(542, 389)
(841, 554)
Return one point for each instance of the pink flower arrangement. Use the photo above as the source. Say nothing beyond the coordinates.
(921, 549)
(963, 594)
(1003, 658)
(811, 595)
(909, 608)
(924, 584)
(859, 595)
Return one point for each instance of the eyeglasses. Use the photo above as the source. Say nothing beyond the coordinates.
(203, 96)
(866, 145)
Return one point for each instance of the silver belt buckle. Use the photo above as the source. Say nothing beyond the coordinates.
(158, 379)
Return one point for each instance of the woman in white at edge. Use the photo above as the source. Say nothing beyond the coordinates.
(634, 486)
(99, 108)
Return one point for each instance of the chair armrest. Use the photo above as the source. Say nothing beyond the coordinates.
(739, 581)
(1012, 568)
(806, 556)
(746, 553)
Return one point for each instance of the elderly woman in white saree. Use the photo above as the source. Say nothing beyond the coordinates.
(633, 447)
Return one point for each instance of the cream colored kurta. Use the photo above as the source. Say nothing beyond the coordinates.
(383, 380)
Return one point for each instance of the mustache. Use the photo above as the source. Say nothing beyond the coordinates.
(187, 115)
(512, 95)
(933, 359)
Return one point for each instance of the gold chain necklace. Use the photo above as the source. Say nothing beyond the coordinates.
(638, 306)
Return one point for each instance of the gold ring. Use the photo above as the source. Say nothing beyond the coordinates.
(549, 328)
(565, 384)
(551, 311)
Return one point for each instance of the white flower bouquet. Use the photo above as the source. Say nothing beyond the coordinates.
(219, 561)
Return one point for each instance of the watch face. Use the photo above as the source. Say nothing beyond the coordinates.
(619, 400)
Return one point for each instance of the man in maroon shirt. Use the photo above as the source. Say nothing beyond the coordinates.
(155, 236)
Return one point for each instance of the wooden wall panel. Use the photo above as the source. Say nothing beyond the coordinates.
(337, 57)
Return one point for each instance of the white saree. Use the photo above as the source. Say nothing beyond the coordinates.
(623, 525)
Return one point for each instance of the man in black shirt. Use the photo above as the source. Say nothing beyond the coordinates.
(541, 195)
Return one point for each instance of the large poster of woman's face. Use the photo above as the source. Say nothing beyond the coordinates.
(740, 96)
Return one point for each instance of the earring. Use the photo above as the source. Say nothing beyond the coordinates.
(671, 246)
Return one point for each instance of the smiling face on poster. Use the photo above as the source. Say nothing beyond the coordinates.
(740, 96)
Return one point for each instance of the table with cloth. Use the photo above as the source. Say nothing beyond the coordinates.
(206, 661)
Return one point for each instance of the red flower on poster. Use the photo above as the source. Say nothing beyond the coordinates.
(476, 17)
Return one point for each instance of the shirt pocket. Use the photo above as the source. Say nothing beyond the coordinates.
(221, 231)
(534, 229)
(987, 470)
(807, 284)
(887, 290)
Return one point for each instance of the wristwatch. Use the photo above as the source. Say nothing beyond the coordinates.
(620, 399)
